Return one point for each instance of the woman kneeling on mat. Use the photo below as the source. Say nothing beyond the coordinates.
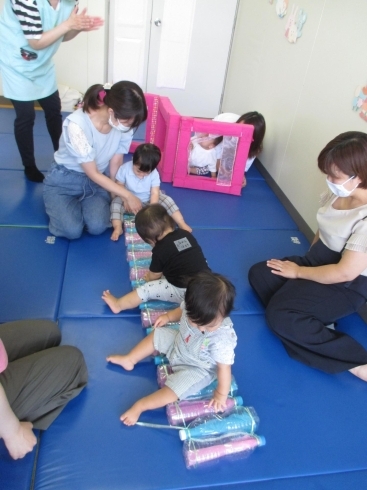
(304, 295)
(37, 379)
(94, 138)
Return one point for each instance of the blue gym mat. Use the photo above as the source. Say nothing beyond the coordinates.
(10, 157)
(311, 420)
(256, 209)
(31, 273)
(94, 263)
(21, 201)
(17, 474)
(97, 263)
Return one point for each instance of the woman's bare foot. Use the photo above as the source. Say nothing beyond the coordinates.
(131, 416)
(123, 361)
(360, 372)
(111, 301)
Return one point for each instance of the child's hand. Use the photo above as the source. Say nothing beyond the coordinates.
(218, 401)
(161, 320)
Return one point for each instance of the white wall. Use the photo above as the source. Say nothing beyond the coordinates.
(304, 90)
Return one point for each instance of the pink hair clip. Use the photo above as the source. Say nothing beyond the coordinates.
(101, 95)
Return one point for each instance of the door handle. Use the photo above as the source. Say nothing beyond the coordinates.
(158, 22)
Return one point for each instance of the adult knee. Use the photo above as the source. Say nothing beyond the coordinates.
(72, 232)
(97, 228)
(72, 359)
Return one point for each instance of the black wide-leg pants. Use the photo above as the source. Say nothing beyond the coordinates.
(298, 310)
(41, 376)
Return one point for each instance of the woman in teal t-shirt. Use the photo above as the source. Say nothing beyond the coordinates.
(30, 34)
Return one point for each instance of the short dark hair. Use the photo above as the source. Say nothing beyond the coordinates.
(125, 98)
(152, 221)
(258, 122)
(208, 295)
(146, 157)
(348, 152)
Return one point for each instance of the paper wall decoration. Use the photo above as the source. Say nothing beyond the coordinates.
(294, 26)
(281, 8)
(360, 101)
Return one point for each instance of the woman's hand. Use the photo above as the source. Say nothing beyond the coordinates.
(283, 268)
(132, 203)
(22, 441)
(83, 22)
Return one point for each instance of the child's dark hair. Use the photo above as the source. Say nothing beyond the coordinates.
(125, 98)
(258, 122)
(208, 295)
(146, 157)
(152, 221)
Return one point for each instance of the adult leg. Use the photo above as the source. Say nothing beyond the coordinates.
(62, 195)
(264, 282)
(96, 209)
(40, 385)
(23, 132)
(25, 337)
(298, 312)
(51, 106)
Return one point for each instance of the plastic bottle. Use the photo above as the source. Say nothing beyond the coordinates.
(197, 453)
(136, 283)
(140, 263)
(160, 359)
(240, 419)
(207, 392)
(137, 273)
(138, 254)
(184, 411)
(158, 305)
(133, 238)
(139, 246)
(162, 372)
(148, 316)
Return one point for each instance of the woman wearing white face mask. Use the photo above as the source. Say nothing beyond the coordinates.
(304, 295)
(94, 139)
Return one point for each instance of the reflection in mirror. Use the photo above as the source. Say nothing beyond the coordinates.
(210, 155)
(202, 155)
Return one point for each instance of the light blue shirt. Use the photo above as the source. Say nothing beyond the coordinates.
(100, 148)
(140, 187)
(36, 78)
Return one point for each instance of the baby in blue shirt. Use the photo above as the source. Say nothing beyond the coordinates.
(141, 177)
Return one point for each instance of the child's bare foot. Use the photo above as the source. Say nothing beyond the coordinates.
(123, 361)
(111, 300)
(131, 416)
(185, 226)
(117, 229)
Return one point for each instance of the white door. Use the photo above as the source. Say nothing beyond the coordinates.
(142, 49)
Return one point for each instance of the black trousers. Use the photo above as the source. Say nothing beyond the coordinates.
(24, 122)
(297, 311)
(41, 377)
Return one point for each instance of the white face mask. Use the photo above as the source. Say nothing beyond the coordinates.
(119, 127)
(339, 189)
